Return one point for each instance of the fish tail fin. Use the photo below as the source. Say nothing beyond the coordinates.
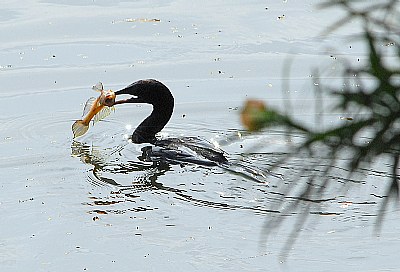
(79, 128)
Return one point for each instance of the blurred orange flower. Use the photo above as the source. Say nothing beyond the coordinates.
(252, 114)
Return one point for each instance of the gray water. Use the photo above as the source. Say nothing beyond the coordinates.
(91, 205)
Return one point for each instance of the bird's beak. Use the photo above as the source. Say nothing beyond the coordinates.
(131, 99)
(123, 101)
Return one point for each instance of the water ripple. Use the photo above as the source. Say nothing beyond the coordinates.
(134, 184)
(132, 179)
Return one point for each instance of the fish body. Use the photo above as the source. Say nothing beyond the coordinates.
(96, 109)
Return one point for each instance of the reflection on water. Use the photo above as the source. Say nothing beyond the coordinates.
(130, 177)
(132, 181)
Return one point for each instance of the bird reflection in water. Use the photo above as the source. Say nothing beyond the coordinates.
(150, 170)
(143, 176)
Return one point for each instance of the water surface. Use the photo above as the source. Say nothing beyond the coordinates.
(92, 205)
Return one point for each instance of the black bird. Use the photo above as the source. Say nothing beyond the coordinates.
(175, 150)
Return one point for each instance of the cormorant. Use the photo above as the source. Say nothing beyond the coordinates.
(176, 150)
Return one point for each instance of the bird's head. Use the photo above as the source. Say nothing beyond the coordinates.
(147, 91)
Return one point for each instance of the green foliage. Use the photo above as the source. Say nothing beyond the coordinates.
(379, 103)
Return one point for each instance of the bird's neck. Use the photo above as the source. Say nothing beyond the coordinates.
(154, 123)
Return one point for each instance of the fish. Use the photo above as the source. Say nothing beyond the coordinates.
(96, 109)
